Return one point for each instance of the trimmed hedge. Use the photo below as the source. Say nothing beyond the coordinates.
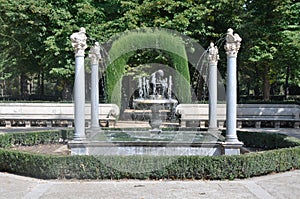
(34, 138)
(147, 38)
(267, 140)
(148, 167)
(182, 167)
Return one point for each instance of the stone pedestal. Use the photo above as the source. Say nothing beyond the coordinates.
(155, 120)
(78, 147)
(231, 148)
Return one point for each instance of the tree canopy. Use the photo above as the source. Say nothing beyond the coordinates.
(35, 45)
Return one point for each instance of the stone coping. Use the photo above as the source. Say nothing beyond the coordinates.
(86, 143)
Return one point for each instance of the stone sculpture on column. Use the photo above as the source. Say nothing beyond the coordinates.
(212, 58)
(78, 40)
(232, 144)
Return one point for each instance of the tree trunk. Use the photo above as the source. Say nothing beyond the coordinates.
(200, 89)
(23, 87)
(67, 91)
(43, 84)
(238, 87)
(286, 90)
(266, 84)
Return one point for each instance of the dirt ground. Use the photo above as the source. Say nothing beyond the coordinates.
(53, 149)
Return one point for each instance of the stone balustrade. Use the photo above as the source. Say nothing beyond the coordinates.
(51, 114)
(252, 115)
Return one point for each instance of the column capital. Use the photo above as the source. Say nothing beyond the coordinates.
(213, 54)
(78, 40)
(94, 54)
(233, 43)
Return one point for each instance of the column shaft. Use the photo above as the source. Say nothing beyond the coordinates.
(94, 97)
(79, 99)
(213, 90)
(231, 98)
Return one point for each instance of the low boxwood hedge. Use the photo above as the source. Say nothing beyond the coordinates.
(34, 138)
(267, 140)
(148, 167)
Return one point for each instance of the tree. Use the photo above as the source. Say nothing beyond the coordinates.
(200, 20)
(36, 35)
(266, 41)
(289, 50)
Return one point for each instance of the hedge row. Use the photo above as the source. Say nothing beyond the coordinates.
(150, 167)
(267, 140)
(34, 138)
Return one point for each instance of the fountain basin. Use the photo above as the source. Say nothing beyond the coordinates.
(143, 104)
(175, 143)
(144, 148)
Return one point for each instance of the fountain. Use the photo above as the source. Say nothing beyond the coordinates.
(155, 94)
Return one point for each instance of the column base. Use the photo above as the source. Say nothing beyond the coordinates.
(231, 148)
(79, 138)
(78, 148)
(213, 129)
(231, 139)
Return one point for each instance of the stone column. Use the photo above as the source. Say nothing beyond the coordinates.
(232, 144)
(212, 58)
(95, 57)
(78, 40)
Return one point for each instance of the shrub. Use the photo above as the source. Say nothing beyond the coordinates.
(267, 140)
(34, 138)
(147, 167)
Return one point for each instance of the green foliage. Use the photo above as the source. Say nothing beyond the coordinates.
(114, 74)
(34, 138)
(270, 52)
(34, 35)
(150, 167)
(183, 167)
(124, 46)
(267, 140)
